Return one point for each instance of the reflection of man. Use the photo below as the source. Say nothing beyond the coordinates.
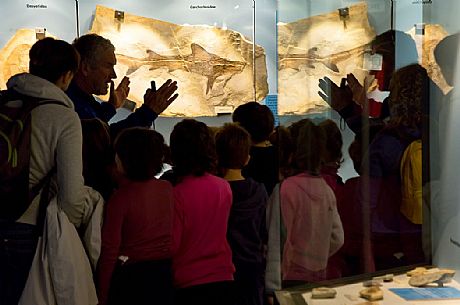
(397, 50)
(445, 222)
(95, 75)
(389, 238)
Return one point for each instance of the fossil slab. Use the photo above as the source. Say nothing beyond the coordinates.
(14, 56)
(426, 44)
(213, 66)
(312, 48)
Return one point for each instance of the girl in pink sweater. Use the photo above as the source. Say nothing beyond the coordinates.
(202, 259)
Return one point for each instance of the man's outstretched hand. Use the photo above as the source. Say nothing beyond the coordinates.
(160, 99)
(118, 96)
(337, 97)
(359, 91)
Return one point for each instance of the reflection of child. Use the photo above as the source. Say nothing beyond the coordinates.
(308, 208)
(246, 231)
(138, 226)
(332, 157)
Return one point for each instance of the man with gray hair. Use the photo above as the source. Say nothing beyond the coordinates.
(95, 75)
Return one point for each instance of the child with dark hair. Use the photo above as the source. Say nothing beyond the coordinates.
(135, 262)
(247, 232)
(281, 138)
(259, 121)
(308, 209)
(99, 169)
(202, 260)
(332, 157)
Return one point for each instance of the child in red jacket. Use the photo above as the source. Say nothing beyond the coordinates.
(135, 262)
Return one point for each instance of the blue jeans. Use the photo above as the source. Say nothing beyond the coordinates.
(17, 249)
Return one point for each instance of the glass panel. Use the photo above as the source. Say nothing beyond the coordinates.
(351, 49)
(444, 134)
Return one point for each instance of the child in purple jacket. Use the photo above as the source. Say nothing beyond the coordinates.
(246, 233)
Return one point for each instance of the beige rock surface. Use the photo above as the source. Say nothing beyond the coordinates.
(323, 293)
(371, 294)
(416, 271)
(14, 56)
(426, 44)
(315, 47)
(436, 276)
(213, 66)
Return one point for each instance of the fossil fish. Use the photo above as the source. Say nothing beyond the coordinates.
(199, 61)
(310, 58)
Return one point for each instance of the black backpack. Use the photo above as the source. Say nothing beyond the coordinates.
(15, 134)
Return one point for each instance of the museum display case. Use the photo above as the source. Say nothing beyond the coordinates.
(434, 29)
(224, 53)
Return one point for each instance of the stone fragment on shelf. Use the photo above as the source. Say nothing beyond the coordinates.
(416, 271)
(373, 283)
(323, 293)
(440, 278)
(386, 278)
(372, 294)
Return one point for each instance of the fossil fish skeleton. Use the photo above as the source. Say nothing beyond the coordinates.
(199, 61)
(310, 58)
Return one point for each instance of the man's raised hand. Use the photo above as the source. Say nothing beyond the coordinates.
(160, 99)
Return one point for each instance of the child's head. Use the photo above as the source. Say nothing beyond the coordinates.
(310, 144)
(232, 145)
(193, 149)
(98, 156)
(97, 145)
(140, 153)
(333, 153)
(257, 119)
(282, 140)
